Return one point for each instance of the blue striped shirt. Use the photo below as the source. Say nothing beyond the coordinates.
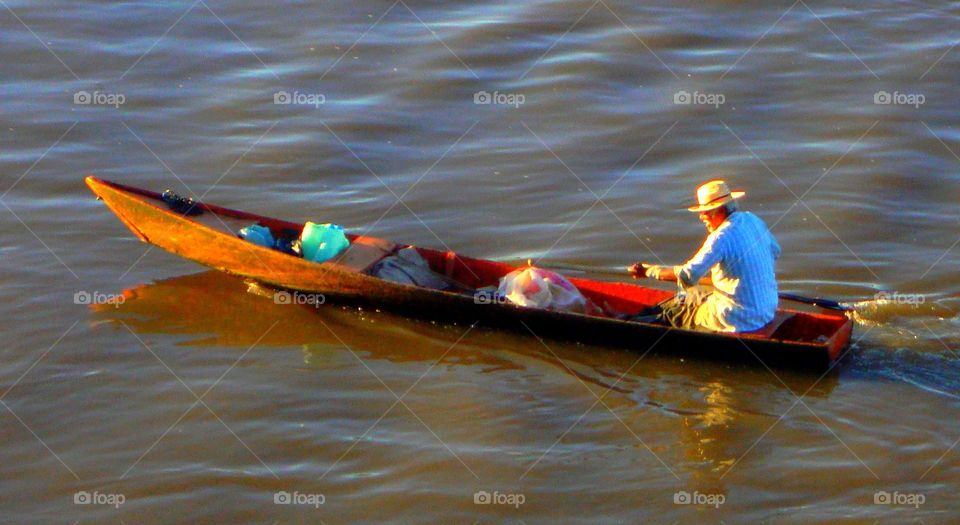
(740, 256)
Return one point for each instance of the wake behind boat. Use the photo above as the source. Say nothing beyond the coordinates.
(798, 336)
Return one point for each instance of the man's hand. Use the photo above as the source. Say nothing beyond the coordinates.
(642, 269)
(652, 270)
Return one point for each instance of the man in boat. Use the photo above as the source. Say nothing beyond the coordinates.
(740, 254)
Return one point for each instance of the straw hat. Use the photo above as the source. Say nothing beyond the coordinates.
(713, 194)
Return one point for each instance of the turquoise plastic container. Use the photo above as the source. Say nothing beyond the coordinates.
(258, 235)
(322, 242)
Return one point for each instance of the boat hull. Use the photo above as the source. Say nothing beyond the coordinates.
(148, 218)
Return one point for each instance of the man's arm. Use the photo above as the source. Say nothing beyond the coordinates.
(694, 271)
(661, 273)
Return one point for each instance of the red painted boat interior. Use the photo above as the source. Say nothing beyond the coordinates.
(626, 297)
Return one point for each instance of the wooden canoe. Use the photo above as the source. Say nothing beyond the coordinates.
(799, 337)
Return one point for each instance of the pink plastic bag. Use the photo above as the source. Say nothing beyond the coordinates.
(535, 287)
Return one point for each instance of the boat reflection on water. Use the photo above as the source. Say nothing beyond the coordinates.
(222, 310)
(723, 409)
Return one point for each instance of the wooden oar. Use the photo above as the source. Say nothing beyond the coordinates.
(815, 301)
(829, 304)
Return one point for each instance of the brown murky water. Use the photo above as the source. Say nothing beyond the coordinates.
(199, 400)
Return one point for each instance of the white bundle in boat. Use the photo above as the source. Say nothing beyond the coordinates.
(539, 288)
(409, 267)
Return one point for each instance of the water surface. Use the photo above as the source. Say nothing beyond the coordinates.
(198, 400)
